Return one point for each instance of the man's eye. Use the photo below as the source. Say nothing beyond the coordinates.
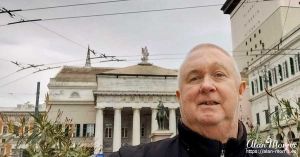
(193, 79)
(219, 74)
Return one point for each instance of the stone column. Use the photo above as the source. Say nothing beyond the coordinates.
(154, 125)
(99, 131)
(172, 121)
(117, 129)
(136, 127)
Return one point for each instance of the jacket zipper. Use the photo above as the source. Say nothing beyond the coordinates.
(223, 151)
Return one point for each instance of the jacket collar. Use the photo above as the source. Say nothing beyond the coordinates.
(196, 144)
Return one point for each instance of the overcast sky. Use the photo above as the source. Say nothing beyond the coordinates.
(169, 35)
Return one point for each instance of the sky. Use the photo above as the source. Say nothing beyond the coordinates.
(53, 42)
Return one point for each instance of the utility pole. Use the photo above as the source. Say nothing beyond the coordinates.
(268, 101)
(36, 109)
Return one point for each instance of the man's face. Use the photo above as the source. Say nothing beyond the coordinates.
(209, 88)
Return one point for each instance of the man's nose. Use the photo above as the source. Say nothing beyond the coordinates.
(207, 85)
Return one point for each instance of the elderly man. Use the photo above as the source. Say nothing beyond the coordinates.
(210, 88)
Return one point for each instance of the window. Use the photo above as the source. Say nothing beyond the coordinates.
(270, 78)
(77, 134)
(84, 130)
(286, 70)
(298, 59)
(259, 31)
(16, 130)
(280, 72)
(275, 75)
(26, 129)
(292, 66)
(75, 95)
(5, 130)
(252, 87)
(143, 130)
(124, 132)
(88, 130)
(256, 85)
(296, 63)
(108, 132)
(60, 126)
(250, 40)
(261, 83)
(246, 43)
(257, 119)
(267, 116)
(67, 130)
(254, 35)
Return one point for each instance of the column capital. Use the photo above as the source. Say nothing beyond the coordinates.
(118, 108)
(136, 108)
(172, 108)
(99, 108)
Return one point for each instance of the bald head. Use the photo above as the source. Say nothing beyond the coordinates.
(209, 92)
(207, 48)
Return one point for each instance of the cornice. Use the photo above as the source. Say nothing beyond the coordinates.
(99, 92)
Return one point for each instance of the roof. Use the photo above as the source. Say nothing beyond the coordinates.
(229, 6)
(22, 108)
(78, 74)
(142, 70)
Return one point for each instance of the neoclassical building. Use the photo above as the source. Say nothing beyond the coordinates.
(113, 107)
(266, 45)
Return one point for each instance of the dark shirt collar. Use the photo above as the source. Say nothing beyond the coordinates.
(197, 145)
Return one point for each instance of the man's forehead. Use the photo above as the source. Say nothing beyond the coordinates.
(208, 49)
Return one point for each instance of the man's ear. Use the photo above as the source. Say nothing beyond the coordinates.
(178, 95)
(242, 88)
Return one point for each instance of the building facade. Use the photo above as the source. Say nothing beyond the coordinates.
(114, 107)
(15, 121)
(266, 45)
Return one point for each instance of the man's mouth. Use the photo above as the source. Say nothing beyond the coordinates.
(210, 102)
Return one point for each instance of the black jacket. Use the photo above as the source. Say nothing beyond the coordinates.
(190, 144)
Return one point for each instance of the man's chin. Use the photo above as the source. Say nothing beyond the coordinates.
(209, 121)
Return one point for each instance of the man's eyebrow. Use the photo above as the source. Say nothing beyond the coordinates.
(220, 65)
(195, 71)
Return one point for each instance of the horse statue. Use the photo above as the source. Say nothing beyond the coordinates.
(161, 116)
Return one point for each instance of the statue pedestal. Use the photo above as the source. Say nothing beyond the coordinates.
(160, 135)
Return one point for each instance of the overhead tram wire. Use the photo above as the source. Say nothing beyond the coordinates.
(130, 12)
(3, 77)
(101, 2)
(13, 81)
(123, 13)
(72, 5)
(112, 14)
(58, 34)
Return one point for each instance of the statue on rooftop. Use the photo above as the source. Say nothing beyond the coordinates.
(145, 54)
